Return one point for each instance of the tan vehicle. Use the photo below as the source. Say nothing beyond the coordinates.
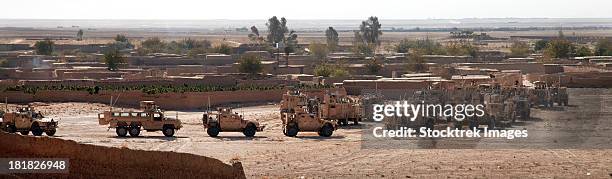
(303, 116)
(151, 119)
(541, 95)
(559, 95)
(26, 120)
(337, 106)
(224, 120)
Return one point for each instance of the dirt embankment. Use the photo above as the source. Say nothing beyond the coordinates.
(89, 161)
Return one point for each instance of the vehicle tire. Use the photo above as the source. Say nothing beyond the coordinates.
(50, 132)
(168, 131)
(491, 124)
(292, 131)
(24, 132)
(473, 124)
(250, 131)
(135, 131)
(326, 131)
(356, 122)
(121, 131)
(11, 129)
(37, 131)
(213, 131)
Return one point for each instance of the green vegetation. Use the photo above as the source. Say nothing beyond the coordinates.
(425, 47)
(251, 64)
(461, 48)
(583, 51)
(540, 45)
(255, 37)
(604, 47)
(326, 70)
(112, 58)
(404, 46)
(370, 31)
(121, 38)
(4, 63)
(186, 46)
(222, 48)
(373, 67)
(318, 51)
(416, 63)
(276, 29)
(519, 49)
(44, 47)
(559, 48)
(332, 39)
(152, 89)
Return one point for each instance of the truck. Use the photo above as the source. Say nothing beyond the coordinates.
(300, 114)
(224, 120)
(26, 119)
(150, 118)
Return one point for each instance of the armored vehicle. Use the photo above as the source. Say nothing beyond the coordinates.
(300, 115)
(541, 95)
(559, 95)
(337, 106)
(151, 118)
(224, 120)
(26, 120)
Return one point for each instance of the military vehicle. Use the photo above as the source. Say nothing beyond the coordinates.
(151, 119)
(26, 120)
(299, 114)
(541, 95)
(559, 95)
(337, 106)
(224, 120)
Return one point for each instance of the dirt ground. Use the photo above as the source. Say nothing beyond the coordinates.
(271, 154)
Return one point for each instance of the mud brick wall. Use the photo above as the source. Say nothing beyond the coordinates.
(170, 101)
(105, 162)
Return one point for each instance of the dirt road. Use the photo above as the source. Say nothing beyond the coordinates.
(271, 154)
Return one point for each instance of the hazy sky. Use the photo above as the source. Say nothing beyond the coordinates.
(306, 9)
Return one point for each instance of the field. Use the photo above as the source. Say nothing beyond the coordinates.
(271, 154)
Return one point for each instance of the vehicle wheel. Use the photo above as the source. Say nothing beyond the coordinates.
(50, 132)
(213, 131)
(458, 124)
(37, 131)
(121, 131)
(168, 131)
(24, 132)
(250, 131)
(473, 124)
(491, 123)
(429, 124)
(326, 131)
(135, 131)
(11, 129)
(292, 131)
(355, 121)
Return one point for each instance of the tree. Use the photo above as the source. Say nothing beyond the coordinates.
(254, 36)
(326, 70)
(416, 63)
(559, 48)
(152, 45)
(332, 39)
(461, 48)
(121, 38)
(540, 45)
(112, 58)
(604, 47)
(318, 51)
(44, 47)
(519, 49)
(223, 48)
(370, 31)
(583, 51)
(403, 46)
(250, 63)
(373, 67)
(276, 29)
(79, 35)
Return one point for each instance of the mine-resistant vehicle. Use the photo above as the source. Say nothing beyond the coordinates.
(559, 95)
(337, 106)
(26, 119)
(299, 114)
(151, 119)
(224, 120)
(541, 95)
